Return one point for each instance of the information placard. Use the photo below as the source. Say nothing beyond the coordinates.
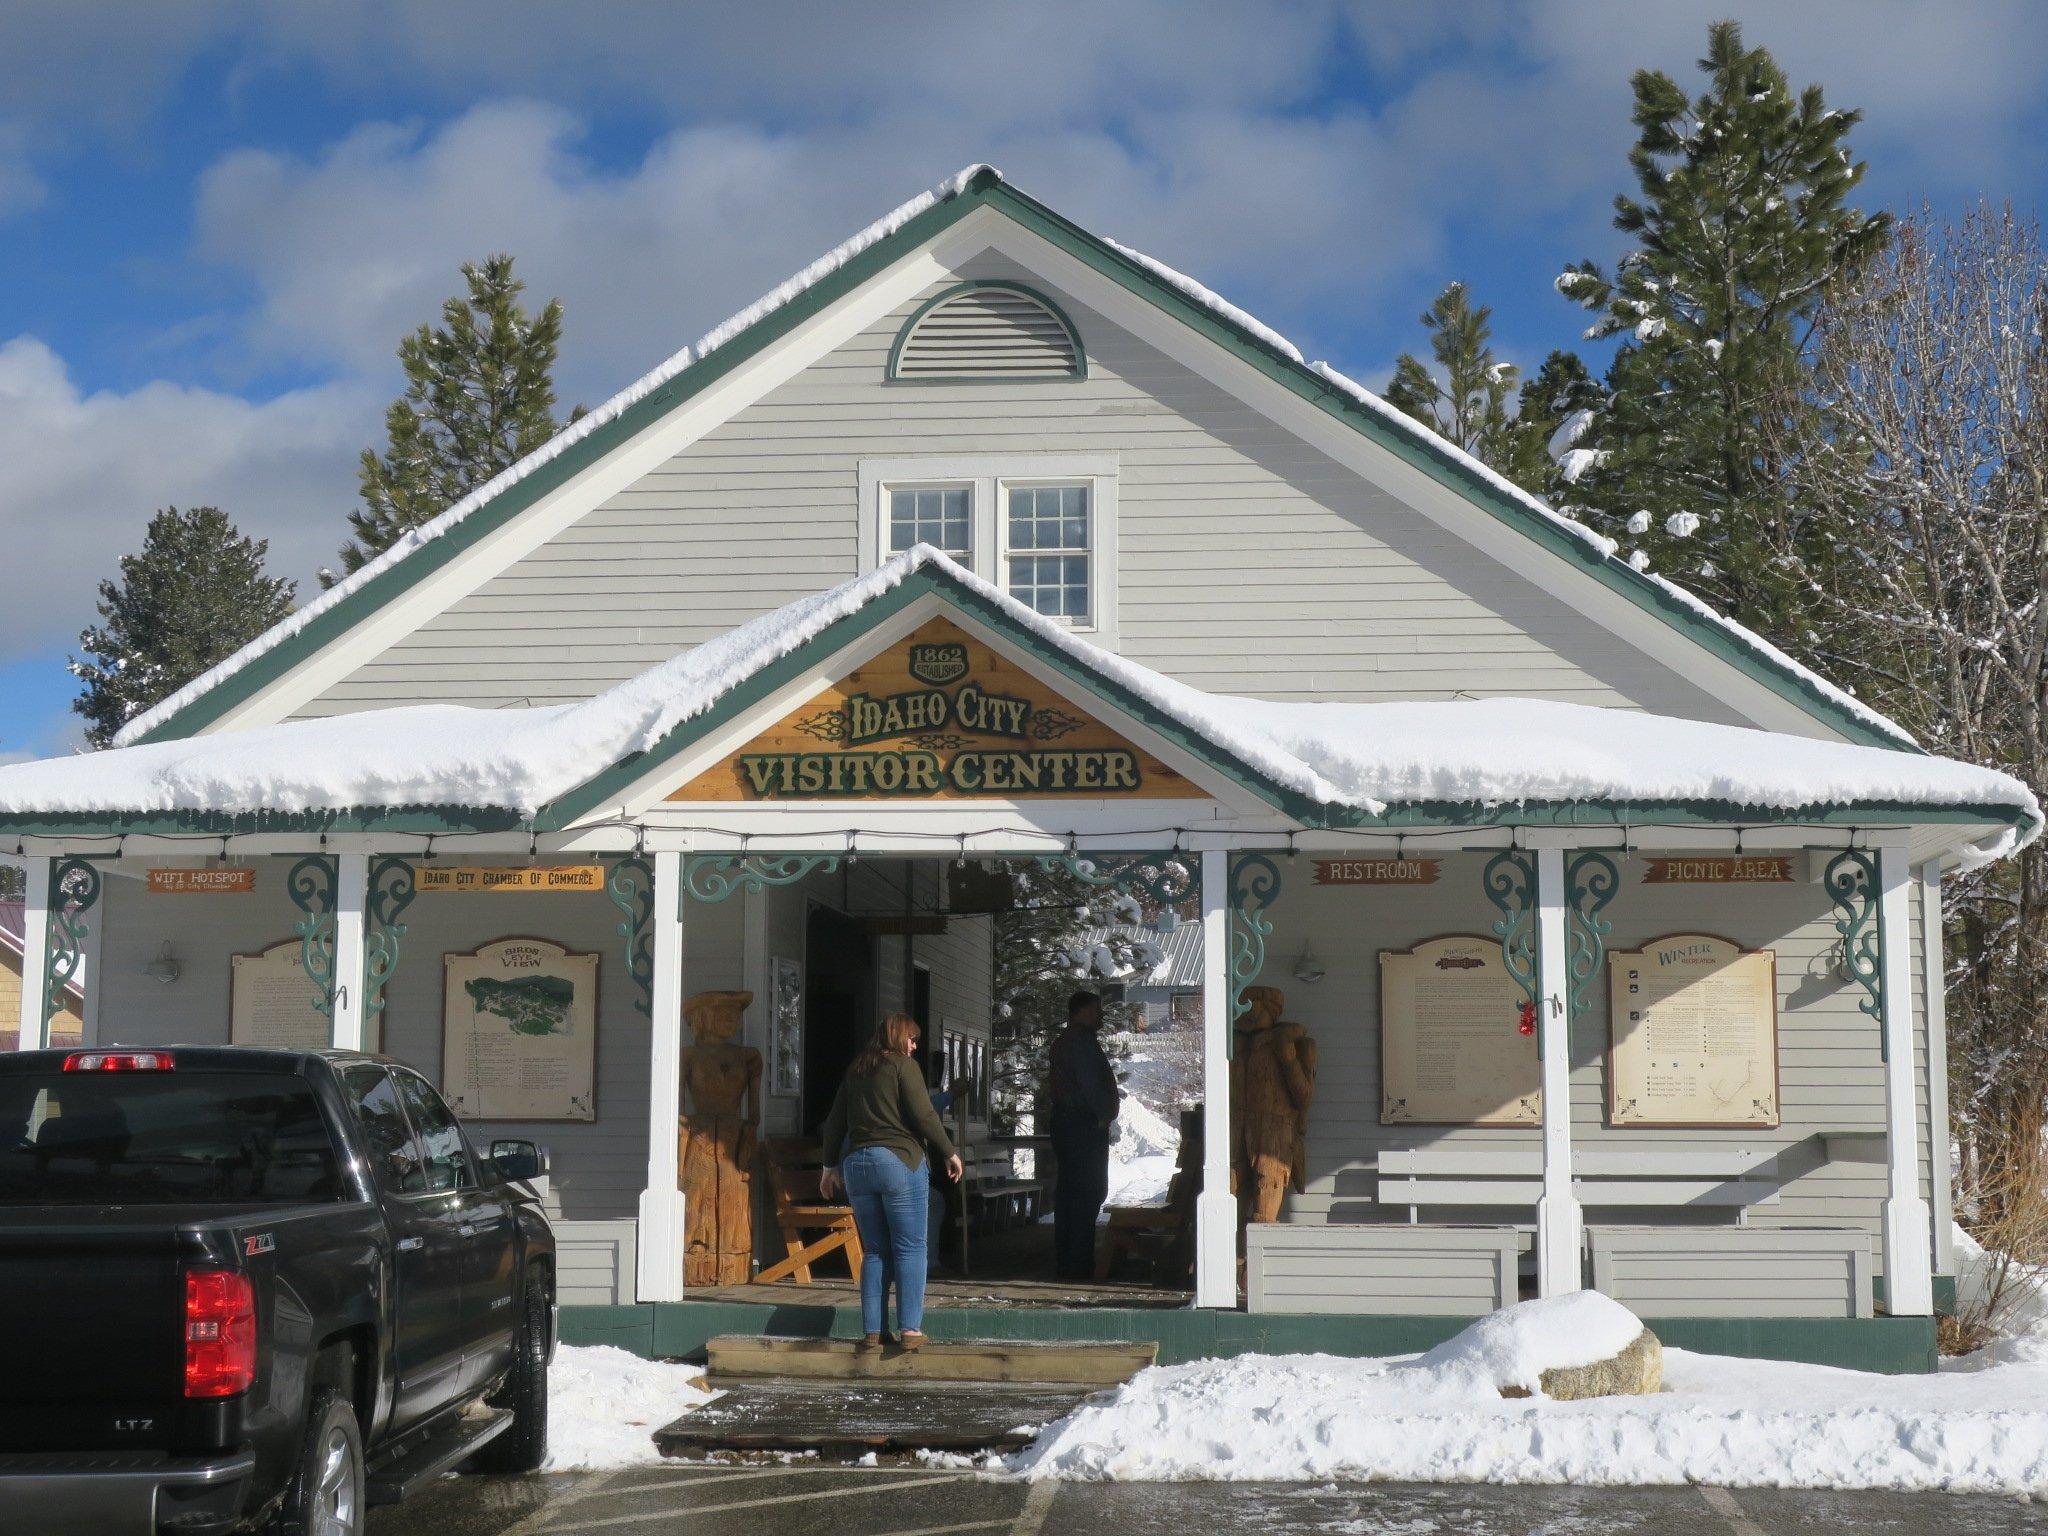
(1693, 1022)
(519, 1032)
(1451, 1051)
(272, 1002)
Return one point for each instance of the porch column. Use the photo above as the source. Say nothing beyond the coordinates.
(351, 895)
(1560, 1224)
(1908, 1228)
(1934, 1007)
(34, 1019)
(660, 1276)
(1215, 1208)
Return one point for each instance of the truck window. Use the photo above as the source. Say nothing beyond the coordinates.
(143, 1138)
(447, 1164)
(394, 1155)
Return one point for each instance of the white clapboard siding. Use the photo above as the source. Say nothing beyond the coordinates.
(1739, 1272)
(1249, 562)
(1378, 1270)
(595, 1263)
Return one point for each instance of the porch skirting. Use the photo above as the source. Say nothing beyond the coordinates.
(680, 1329)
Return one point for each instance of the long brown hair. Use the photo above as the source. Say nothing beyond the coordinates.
(892, 1037)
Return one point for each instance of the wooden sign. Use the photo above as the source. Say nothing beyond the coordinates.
(1693, 1023)
(939, 716)
(1722, 869)
(1451, 1051)
(1378, 871)
(519, 1032)
(272, 1002)
(202, 882)
(519, 878)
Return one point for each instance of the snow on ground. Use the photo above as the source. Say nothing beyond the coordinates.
(1979, 1427)
(1143, 1156)
(604, 1405)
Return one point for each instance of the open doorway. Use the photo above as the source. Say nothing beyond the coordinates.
(839, 988)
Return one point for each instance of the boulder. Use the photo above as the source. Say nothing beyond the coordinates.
(1638, 1369)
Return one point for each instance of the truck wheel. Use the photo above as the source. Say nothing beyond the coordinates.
(326, 1493)
(524, 1446)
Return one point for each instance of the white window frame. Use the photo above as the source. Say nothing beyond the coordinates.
(989, 475)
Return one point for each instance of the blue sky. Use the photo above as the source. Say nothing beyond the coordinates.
(217, 219)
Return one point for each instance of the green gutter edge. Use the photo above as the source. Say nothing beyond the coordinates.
(1416, 447)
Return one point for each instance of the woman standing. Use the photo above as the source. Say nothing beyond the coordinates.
(881, 1122)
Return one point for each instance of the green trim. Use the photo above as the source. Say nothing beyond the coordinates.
(712, 877)
(1079, 370)
(681, 1329)
(1590, 882)
(1254, 888)
(1851, 881)
(314, 885)
(1413, 444)
(75, 887)
(392, 886)
(630, 887)
(428, 821)
(1509, 881)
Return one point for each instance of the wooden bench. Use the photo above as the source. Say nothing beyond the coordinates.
(794, 1166)
(1467, 1175)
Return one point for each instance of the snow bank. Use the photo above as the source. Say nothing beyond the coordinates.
(1735, 1423)
(1516, 1345)
(1368, 756)
(605, 1404)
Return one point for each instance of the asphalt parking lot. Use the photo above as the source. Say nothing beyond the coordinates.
(740, 1499)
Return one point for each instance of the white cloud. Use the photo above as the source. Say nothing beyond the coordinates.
(86, 471)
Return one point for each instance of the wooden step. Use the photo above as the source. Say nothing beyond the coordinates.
(751, 1357)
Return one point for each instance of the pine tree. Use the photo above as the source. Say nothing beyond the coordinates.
(479, 397)
(1555, 410)
(1466, 397)
(196, 593)
(1741, 224)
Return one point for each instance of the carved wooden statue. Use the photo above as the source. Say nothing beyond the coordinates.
(715, 1151)
(1272, 1083)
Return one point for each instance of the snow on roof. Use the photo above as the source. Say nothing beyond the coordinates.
(1364, 756)
(722, 334)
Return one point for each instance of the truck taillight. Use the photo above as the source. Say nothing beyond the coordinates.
(220, 1333)
(119, 1061)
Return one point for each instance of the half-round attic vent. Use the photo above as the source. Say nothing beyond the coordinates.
(987, 332)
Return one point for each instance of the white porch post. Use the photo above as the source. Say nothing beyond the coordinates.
(35, 956)
(1934, 1007)
(1560, 1224)
(660, 1275)
(1215, 1208)
(351, 895)
(1908, 1228)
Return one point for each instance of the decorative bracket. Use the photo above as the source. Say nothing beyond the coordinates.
(313, 885)
(630, 885)
(1254, 887)
(1167, 878)
(1590, 881)
(1510, 882)
(715, 876)
(74, 891)
(1851, 881)
(392, 888)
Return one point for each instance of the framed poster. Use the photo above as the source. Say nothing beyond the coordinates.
(519, 1032)
(1451, 1049)
(1693, 1034)
(785, 1027)
(272, 1002)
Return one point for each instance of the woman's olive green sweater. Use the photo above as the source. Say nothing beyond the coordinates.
(890, 1107)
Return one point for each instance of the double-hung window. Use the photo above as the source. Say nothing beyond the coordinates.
(1042, 527)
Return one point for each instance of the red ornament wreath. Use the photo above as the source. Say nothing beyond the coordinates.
(1525, 1019)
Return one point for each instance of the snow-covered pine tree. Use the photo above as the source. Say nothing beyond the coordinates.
(1040, 961)
(1741, 224)
(1467, 395)
(1554, 410)
(195, 593)
(479, 396)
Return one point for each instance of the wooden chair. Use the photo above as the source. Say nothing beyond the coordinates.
(1162, 1233)
(794, 1165)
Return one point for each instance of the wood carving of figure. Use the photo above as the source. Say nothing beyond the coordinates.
(715, 1152)
(1272, 1083)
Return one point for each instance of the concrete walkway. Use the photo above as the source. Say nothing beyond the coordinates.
(813, 1500)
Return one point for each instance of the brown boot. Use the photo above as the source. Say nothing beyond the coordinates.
(912, 1341)
(870, 1343)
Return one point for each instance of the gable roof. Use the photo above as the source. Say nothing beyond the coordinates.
(428, 548)
(1408, 764)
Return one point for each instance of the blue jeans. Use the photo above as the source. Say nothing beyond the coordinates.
(890, 1207)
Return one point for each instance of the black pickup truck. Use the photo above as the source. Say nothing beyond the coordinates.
(258, 1290)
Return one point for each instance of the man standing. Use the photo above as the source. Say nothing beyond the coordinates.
(1084, 1099)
